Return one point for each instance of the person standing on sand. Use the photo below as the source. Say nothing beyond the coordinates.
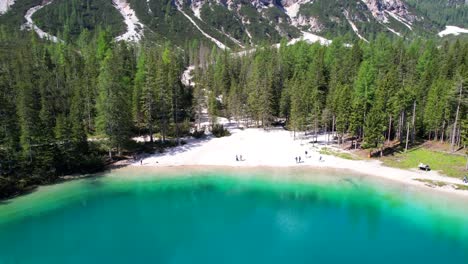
(299, 159)
(240, 157)
(237, 158)
(296, 159)
(141, 162)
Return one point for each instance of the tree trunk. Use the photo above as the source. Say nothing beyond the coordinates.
(407, 136)
(389, 129)
(397, 133)
(443, 132)
(333, 128)
(456, 120)
(413, 134)
(176, 121)
(402, 125)
(316, 127)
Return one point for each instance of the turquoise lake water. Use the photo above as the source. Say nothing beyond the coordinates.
(233, 217)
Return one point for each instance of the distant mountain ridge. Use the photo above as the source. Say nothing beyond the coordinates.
(239, 23)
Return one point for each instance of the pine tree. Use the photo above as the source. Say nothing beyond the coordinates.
(113, 108)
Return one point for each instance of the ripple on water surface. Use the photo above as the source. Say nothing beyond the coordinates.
(220, 216)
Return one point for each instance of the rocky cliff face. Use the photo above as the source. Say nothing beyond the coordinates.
(287, 18)
(380, 9)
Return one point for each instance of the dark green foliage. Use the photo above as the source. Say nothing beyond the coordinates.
(198, 134)
(63, 107)
(373, 93)
(68, 18)
(444, 12)
(219, 131)
(14, 18)
(223, 19)
(260, 29)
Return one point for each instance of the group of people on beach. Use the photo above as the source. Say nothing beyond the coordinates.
(239, 158)
(299, 158)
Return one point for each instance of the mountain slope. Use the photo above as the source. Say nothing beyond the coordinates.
(236, 24)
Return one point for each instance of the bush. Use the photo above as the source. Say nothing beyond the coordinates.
(198, 134)
(220, 131)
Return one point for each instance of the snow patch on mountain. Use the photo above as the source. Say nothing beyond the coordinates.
(187, 76)
(248, 33)
(29, 25)
(5, 5)
(292, 7)
(262, 4)
(353, 26)
(393, 31)
(310, 38)
(452, 30)
(233, 39)
(400, 19)
(134, 26)
(148, 6)
(196, 8)
(217, 42)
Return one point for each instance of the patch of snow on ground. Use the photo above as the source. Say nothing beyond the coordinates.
(452, 30)
(393, 31)
(149, 8)
(234, 40)
(353, 26)
(29, 25)
(134, 27)
(217, 42)
(293, 9)
(400, 19)
(197, 9)
(5, 5)
(311, 38)
(231, 38)
(248, 34)
(187, 76)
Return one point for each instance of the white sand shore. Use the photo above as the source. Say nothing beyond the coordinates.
(277, 148)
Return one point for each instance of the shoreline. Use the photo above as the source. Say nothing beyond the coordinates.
(256, 145)
(293, 173)
(277, 148)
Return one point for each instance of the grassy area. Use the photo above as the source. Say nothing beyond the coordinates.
(343, 155)
(448, 164)
(433, 184)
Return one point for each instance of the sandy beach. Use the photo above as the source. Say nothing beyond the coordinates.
(278, 148)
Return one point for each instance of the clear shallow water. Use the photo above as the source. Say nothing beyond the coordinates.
(212, 217)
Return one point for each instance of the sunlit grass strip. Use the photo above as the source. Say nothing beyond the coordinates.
(448, 164)
(343, 155)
